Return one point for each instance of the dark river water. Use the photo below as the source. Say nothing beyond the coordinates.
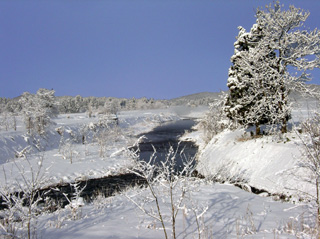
(161, 138)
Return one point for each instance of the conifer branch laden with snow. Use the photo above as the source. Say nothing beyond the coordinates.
(259, 80)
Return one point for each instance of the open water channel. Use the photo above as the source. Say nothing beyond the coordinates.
(162, 138)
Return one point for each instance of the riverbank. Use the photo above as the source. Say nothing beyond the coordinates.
(62, 157)
(270, 164)
(228, 212)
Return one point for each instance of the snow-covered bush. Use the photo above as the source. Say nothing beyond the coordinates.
(8, 121)
(67, 150)
(105, 135)
(22, 207)
(215, 120)
(38, 110)
(75, 201)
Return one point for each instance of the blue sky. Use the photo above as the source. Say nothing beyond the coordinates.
(124, 48)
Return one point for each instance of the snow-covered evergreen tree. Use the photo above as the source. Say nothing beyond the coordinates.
(244, 78)
(259, 80)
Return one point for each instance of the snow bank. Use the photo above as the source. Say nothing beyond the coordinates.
(264, 163)
(232, 213)
(267, 163)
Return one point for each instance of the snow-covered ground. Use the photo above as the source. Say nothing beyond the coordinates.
(232, 212)
(54, 156)
(270, 163)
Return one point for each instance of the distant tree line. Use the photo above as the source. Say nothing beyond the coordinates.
(79, 104)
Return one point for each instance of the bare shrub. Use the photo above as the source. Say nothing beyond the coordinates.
(22, 207)
(168, 189)
(75, 201)
(310, 139)
(105, 138)
(67, 150)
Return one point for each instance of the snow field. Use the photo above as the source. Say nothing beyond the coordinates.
(231, 213)
(87, 162)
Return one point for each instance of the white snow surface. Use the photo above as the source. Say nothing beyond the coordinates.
(86, 162)
(270, 163)
(232, 212)
(264, 163)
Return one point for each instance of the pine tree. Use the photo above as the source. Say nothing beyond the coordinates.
(249, 80)
(259, 80)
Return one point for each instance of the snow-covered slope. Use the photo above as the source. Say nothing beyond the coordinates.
(270, 163)
(266, 163)
(232, 213)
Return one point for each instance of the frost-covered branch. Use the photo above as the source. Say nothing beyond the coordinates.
(310, 139)
(215, 120)
(22, 207)
(167, 187)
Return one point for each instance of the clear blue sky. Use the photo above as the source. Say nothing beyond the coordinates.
(135, 48)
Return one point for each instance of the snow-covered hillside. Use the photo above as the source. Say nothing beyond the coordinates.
(268, 163)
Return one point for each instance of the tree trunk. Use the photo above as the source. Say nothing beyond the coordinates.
(284, 126)
(258, 129)
(29, 125)
(318, 203)
(281, 70)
